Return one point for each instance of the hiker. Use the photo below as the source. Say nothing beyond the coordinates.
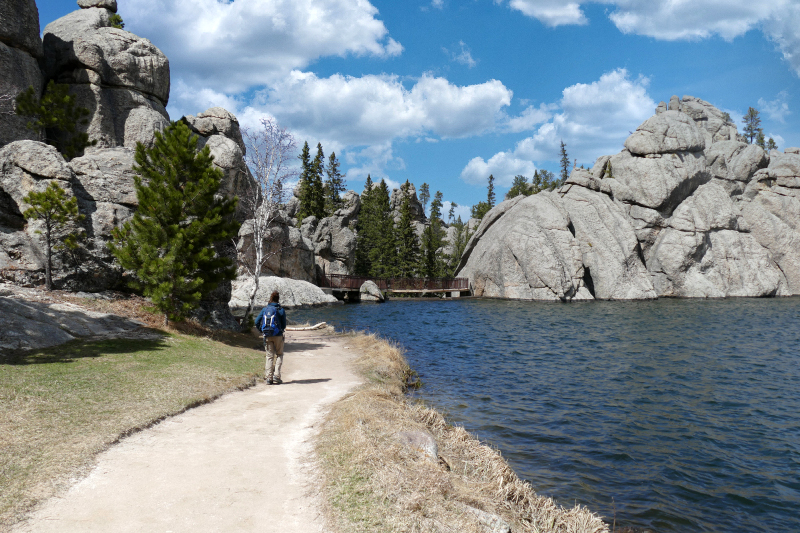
(272, 323)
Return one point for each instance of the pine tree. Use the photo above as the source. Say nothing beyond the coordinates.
(432, 265)
(424, 195)
(761, 141)
(481, 208)
(60, 217)
(771, 144)
(365, 230)
(304, 184)
(520, 186)
(169, 242)
(317, 189)
(752, 125)
(58, 115)
(490, 197)
(334, 186)
(564, 162)
(407, 244)
(460, 239)
(116, 21)
(451, 215)
(383, 255)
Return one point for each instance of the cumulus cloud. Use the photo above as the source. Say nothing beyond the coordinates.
(371, 110)
(594, 119)
(231, 46)
(682, 20)
(550, 12)
(777, 109)
(530, 118)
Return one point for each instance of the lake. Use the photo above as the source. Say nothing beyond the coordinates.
(672, 415)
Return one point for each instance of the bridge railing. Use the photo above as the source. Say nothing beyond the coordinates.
(344, 282)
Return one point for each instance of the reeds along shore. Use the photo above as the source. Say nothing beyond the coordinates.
(374, 482)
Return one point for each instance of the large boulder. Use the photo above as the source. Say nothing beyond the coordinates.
(122, 79)
(217, 121)
(671, 131)
(293, 294)
(525, 249)
(396, 202)
(370, 292)
(715, 125)
(334, 247)
(287, 253)
(734, 163)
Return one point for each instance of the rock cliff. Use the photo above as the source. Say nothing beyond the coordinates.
(687, 209)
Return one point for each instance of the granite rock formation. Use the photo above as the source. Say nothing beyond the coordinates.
(294, 293)
(685, 210)
(122, 79)
(20, 50)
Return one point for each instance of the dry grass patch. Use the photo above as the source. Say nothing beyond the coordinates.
(60, 406)
(374, 483)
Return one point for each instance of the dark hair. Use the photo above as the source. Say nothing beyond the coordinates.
(275, 297)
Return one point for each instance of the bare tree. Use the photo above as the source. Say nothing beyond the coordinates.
(270, 149)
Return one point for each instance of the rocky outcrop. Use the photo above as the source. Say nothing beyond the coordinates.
(685, 210)
(369, 292)
(293, 293)
(20, 49)
(122, 79)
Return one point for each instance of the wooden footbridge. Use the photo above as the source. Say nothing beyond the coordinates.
(348, 285)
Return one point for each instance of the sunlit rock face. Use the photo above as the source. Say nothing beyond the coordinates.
(687, 209)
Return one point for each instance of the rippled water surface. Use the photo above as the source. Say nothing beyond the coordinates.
(677, 415)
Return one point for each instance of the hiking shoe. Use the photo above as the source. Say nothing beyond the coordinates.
(268, 380)
(277, 381)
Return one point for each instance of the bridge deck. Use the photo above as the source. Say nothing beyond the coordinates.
(340, 282)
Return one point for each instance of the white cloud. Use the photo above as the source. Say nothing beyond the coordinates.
(551, 12)
(683, 20)
(530, 118)
(777, 109)
(594, 119)
(372, 110)
(438, 4)
(462, 55)
(231, 46)
(462, 211)
(503, 166)
(784, 31)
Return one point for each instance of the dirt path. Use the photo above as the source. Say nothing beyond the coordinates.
(235, 465)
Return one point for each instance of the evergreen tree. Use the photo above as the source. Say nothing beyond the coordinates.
(407, 243)
(334, 186)
(317, 189)
(424, 195)
(520, 186)
(116, 21)
(432, 265)
(460, 239)
(771, 144)
(544, 180)
(304, 185)
(58, 115)
(383, 255)
(564, 162)
(451, 215)
(365, 240)
(752, 125)
(761, 141)
(481, 208)
(169, 242)
(60, 218)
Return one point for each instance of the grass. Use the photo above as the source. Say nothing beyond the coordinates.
(373, 483)
(60, 406)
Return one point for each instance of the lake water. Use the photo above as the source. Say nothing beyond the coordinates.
(673, 415)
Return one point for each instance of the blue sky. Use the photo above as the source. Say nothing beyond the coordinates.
(447, 91)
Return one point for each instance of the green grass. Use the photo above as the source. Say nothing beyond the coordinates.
(60, 406)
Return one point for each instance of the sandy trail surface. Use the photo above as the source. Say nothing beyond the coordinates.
(239, 464)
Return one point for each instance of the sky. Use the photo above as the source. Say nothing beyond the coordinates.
(447, 92)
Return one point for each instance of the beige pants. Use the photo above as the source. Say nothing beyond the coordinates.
(274, 361)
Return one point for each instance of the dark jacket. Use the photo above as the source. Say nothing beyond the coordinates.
(280, 314)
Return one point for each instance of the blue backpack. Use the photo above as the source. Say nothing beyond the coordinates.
(271, 326)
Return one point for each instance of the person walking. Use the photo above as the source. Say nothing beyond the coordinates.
(272, 323)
